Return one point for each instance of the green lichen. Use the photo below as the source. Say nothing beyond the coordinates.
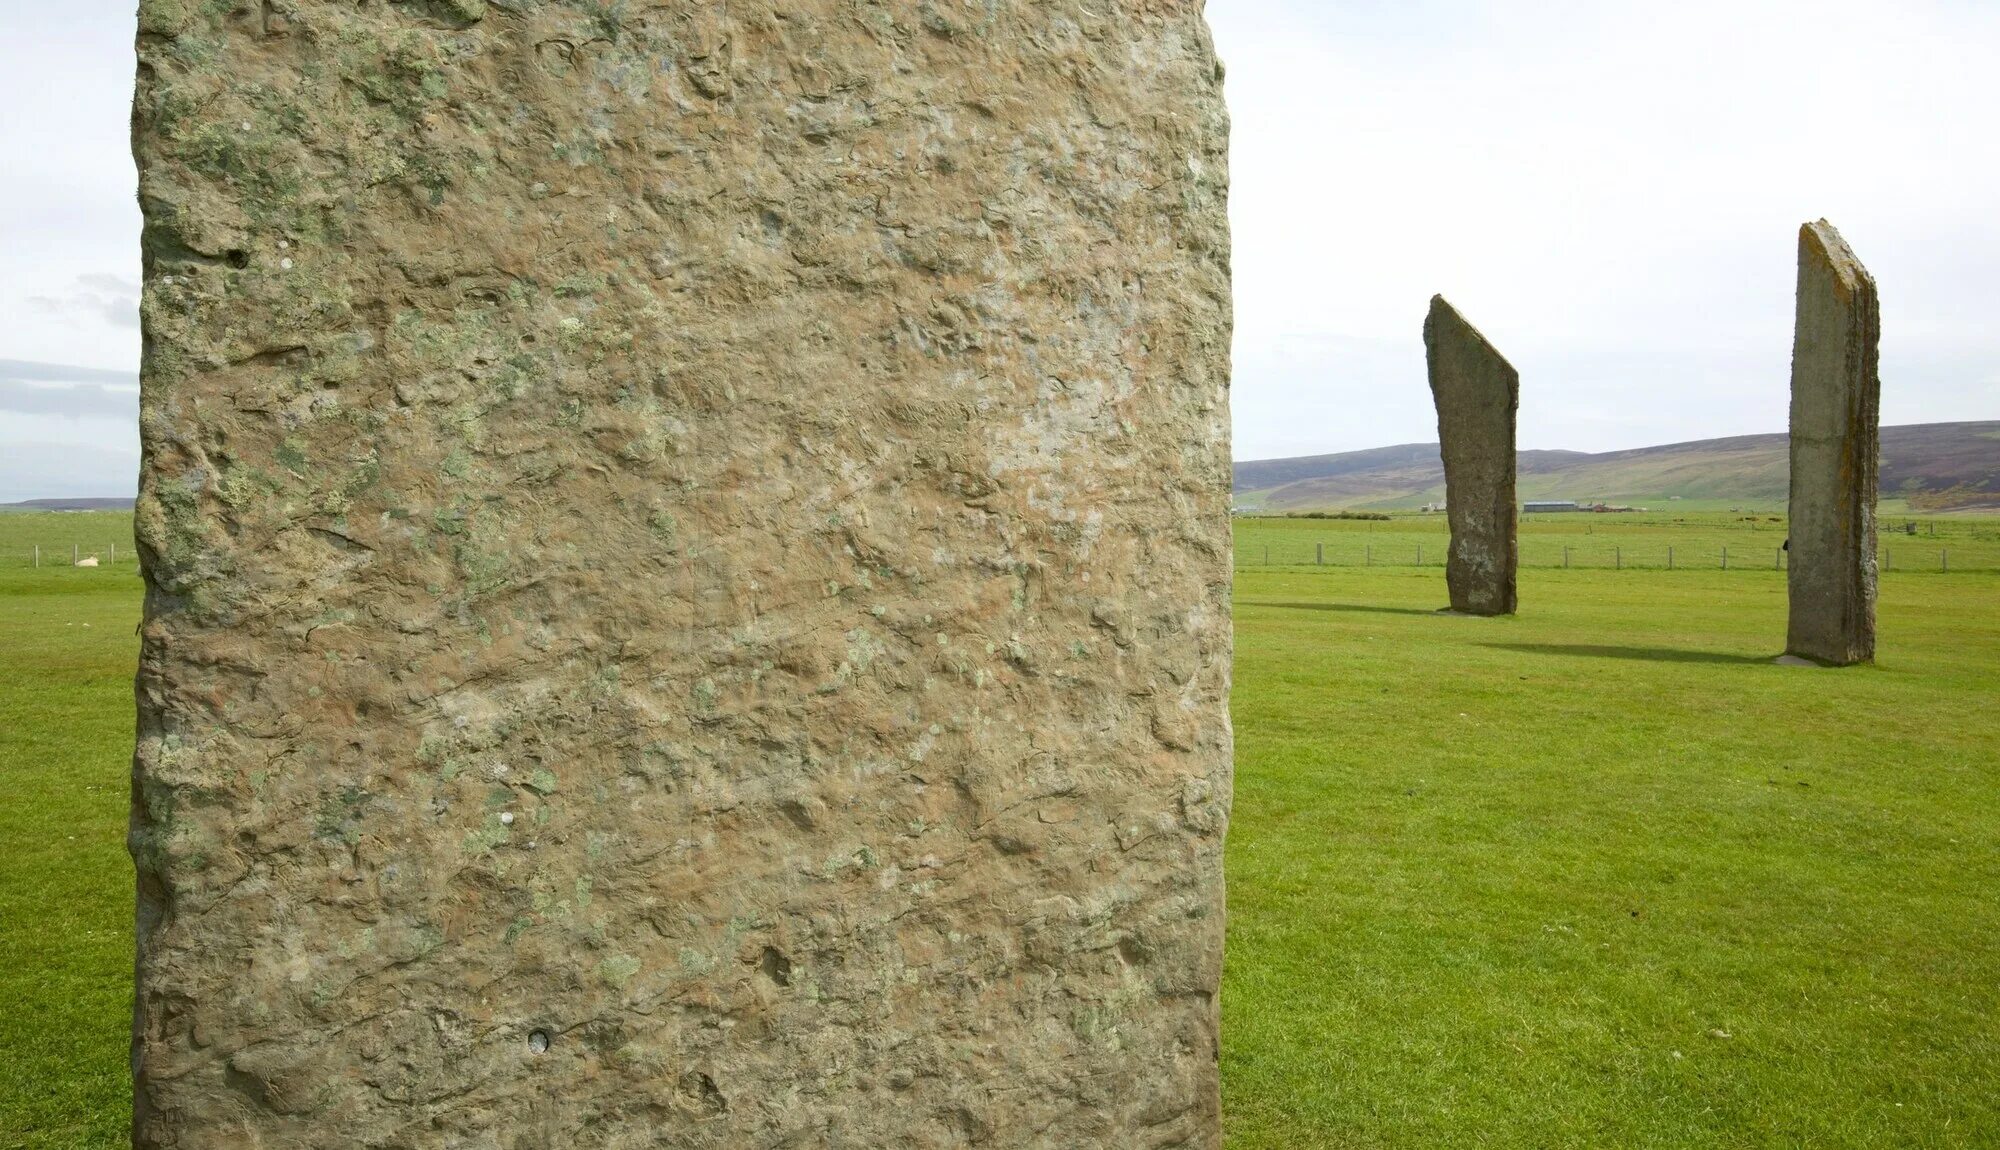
(582, 284)
(486, 836)
(339, 815)
(291, 455)
(242, 487)
(665, 527)
(617, 970)
(606, 19)
(170, 522)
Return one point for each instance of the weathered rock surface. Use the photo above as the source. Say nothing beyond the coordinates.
(1835, 444)
(688, 574)
(1477, 394)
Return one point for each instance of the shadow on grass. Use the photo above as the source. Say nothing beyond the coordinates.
(1646, 654)
(1337, 607)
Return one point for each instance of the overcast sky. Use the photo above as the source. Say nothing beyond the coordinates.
(1610, 189)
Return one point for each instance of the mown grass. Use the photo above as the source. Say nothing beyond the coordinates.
(1495, 883)
(64, 535)
(1583, 539)
(67, 655)
(1601, 875)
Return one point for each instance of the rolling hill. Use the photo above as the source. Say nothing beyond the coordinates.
(118, 503)
(1931, 466)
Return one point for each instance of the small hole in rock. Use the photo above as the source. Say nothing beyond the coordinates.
(776, 966)
(538, 1042)
(238, 258)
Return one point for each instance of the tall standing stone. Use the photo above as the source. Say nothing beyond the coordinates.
(1477, 394)
(688, 563)
(1836, 437)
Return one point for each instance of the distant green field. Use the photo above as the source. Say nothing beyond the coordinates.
(61, 534)
(1753, 541)
(1595, 876)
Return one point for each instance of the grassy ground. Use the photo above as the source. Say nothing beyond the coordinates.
(1600, 875)
(68, 649)
(1497, 883)
(59, 535)
(1593, 540)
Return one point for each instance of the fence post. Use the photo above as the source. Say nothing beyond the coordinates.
(1670, 557)
(1319, 554)
(112, 551)
(38, 555)
(73, 556)
(1618, 559)
(1777, 558)
(1725, 558)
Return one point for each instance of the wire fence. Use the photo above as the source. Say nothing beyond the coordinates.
(1346, 552)
(1548, 553)
(1691, 542)
(103, 553)
(103, 540)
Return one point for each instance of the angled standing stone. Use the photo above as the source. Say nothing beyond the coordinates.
(1477, 393)
(688, 575)
(1835, 444)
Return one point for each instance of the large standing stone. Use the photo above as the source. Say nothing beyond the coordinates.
(1477, 393)
(688, 574)
(1836, 421)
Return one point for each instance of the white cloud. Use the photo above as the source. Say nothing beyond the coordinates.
(71, 257)
(95, 299)
(57, 468)
(72, 400)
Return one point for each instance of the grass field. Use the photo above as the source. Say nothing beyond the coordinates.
(1592, 540)
(1508, 883)
(61, 535)
(68, 649)
(1598, 875)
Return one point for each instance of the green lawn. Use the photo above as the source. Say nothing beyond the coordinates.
(1593, 540)
(68, 649)
(61, 535)
(1495, 883)
(1600, 875)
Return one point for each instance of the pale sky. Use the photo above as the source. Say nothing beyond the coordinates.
(1611, 190)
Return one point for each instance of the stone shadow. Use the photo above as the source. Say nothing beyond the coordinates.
(1644, 654)
(1338, 607)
